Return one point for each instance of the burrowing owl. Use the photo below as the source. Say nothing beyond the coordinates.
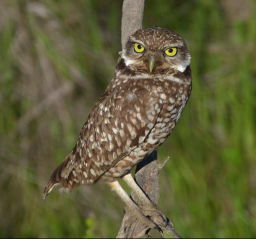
(137, 112)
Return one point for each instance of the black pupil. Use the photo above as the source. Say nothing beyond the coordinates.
(170, 50)
(139, 47)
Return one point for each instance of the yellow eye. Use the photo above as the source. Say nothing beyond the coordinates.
(171, 51)
(138, 48)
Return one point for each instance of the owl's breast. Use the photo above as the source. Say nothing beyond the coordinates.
(170, 99)
(150, 113)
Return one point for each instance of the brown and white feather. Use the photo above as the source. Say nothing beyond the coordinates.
(133, 117)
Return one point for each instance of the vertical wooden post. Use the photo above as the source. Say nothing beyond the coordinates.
(147, 171)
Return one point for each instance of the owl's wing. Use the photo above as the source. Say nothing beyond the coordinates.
(119, 122)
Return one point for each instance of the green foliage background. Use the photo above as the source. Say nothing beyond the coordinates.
(57, 57)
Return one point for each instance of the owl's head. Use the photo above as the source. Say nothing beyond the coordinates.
(156, 50)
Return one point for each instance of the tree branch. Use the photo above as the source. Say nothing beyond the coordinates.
(147, 171)
(132, 16)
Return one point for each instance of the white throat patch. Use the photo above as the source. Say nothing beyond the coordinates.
(127, 61)
(147, 76)
(183, 67)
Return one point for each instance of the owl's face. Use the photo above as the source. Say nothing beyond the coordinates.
(156, 51)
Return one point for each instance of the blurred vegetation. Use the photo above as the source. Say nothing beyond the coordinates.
(57, 57)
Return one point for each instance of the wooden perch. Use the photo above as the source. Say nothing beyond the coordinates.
(147, 171)
(146, 176)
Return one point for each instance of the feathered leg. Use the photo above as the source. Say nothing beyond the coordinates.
(137, 190)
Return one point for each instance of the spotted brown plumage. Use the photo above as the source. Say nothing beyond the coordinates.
(135, 115)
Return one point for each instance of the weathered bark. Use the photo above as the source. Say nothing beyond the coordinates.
(132, 16)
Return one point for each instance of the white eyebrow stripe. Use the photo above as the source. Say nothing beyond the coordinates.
(134, 40)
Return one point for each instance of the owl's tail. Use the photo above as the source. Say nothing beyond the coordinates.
(60, 176)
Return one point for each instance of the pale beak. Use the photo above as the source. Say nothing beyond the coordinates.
(151, 63)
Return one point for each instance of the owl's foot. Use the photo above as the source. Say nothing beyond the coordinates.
(137, 214)
(155, 215)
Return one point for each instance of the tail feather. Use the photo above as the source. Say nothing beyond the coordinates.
(57, 178)
(49, 187)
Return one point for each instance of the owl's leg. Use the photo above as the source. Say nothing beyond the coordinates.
(147, 206)
(137, 190)
(132, 207)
